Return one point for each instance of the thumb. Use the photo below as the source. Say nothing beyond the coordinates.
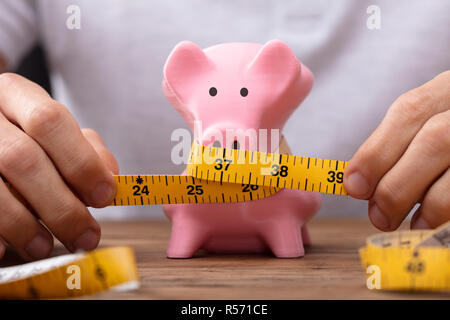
(97, 143)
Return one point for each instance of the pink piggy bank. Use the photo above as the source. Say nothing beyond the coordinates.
(239, 86)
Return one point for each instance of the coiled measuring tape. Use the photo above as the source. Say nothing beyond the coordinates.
(219, 175)
(71, 275)
(417, 260)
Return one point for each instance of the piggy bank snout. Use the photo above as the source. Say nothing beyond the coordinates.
(227, 136)
(234, 145)
(232, 136)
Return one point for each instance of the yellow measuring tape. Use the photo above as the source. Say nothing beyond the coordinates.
(408, 260)
(71, 275)
(219, 175)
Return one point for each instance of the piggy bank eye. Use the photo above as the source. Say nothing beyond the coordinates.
(244, 92)
(212, 91)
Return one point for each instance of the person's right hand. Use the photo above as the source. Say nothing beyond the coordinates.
(57, 168)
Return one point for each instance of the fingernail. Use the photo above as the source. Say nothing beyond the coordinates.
(378, 219)
(103, 194)
(420, 223)
(87, 240)
(39, 247)
(357, 184)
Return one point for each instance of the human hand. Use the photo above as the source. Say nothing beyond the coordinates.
(57, 168)
(406, 160)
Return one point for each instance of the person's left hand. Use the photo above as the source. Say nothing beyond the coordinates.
(406, 160)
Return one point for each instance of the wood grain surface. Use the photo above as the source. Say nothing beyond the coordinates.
(331, 268)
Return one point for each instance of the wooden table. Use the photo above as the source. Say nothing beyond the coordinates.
(331, 268)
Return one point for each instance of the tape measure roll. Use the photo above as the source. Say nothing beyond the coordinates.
(71, 275)
(417, 260)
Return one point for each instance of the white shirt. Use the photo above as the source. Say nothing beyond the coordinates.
(108, 73)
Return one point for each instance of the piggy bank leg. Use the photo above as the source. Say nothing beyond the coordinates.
(284, 239)
(305, 236)
(186, 238)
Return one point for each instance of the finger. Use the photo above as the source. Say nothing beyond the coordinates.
(53, 127)
(435, 208)
(427, 157)
(21, 229)
(389, 141)
(99, 146)
(31, 172)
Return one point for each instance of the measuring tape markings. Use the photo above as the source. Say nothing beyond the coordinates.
(410, 260)
(220, 175)
(284, 171)
(176, 189)
(106, 268)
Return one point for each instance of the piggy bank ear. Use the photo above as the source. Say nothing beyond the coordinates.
(186, 63)
(277, 64)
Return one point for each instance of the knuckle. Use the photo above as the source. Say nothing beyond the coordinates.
(13, 220)
(441, 210)
(366, 153)
(91, 133)
(435, 134)
(369, 157)
(444, 76)
(7, 79)
(439, 207)
(113, 165)
(388, 198)
(82, 165)
(44, 118)
(18, 155)
(370, 152)
(367, 150)
(413, 105)
(69, 215)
